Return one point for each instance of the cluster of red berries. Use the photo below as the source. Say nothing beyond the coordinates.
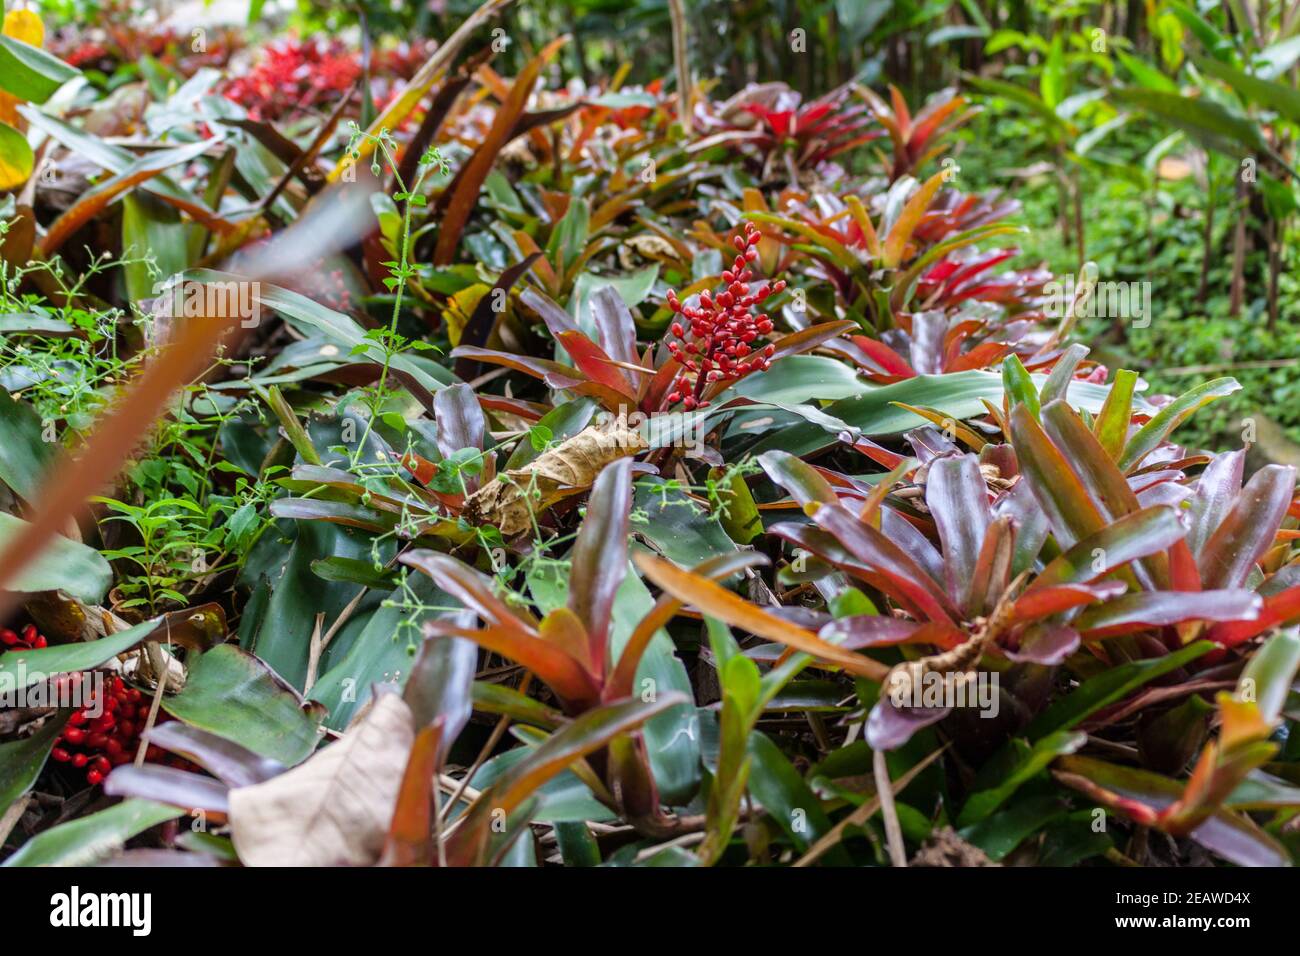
(723, 328)
(100, 743)
(26, 640)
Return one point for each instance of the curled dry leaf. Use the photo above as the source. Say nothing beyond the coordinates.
(510, 501)
(333, 809)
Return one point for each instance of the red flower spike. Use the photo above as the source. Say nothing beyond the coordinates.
(723, 327)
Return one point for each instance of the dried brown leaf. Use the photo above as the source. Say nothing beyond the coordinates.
(510, 500)
(334, 809)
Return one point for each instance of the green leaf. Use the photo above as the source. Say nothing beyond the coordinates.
(64, 565)
(999, 834)
(1112, 424)
(799, 378)
(29, 73)
(233, 694)
(787, 798)
(1145, 74)
(1052, 80)
(569, 238)
(16, 158)
(960, 395)
(1201, 118)
(21, 760)
(1019, 386)
(1024, 98)
(24, 454)
(672, 736)
(150, 226)
(1108, 687)
(1034, 761)
(1233, 836)
(94, 838)
(577, 845)
(585, 734)
(1150, 435)
(1270, 672)
(1278, 97)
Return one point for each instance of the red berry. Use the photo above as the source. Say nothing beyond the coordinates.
(94, 778)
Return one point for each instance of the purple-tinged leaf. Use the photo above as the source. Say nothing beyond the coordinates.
(441, 683)
(561, 671)
(584, 735)
(614, 324)
(992, 574)
(1248, 530)
(928, 331)
(1280, 608)
(1216, 492)
(869, 630)
(472, 588)
(1131, 537)
(229, 762)
(1046, 644)
(1044, 602)
(1021, 506)
(1104, 482)
(1070, 510)
(906, 579)
(1170, 494)
(905, 534)
(599, 559)
(1141, 794)
(460, 425)
(1136, 612)
(555, 374)
(715, 601)
(889, 727)
(179, 788)
(796, 476)
(958, 500)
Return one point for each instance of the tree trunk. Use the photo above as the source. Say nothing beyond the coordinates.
(1274, 269)
(1206, 249)
(1238, 290)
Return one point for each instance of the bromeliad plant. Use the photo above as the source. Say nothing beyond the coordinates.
(917, 255)
(456, 611)
(570, 649)
(771, 122)
(717, 345)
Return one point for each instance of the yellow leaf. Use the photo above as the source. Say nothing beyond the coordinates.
(463, 304)
(26, 26)
(16, 158)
